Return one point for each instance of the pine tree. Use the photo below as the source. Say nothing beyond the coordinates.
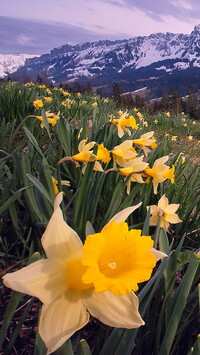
(117, 93)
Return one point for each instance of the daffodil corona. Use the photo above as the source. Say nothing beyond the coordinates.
(97, 278)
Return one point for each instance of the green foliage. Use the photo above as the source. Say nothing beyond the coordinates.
(31, 155)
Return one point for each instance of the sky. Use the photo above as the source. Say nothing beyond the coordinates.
(36, 27)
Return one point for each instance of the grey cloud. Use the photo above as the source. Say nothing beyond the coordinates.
(158, 8)
(36, 37)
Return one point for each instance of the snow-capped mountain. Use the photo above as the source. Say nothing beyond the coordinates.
(9, 63)
(139, 60)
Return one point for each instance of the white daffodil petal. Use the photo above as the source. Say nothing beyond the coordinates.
(123, 215)
(115, 311)
(158, 254)
(59, 240)
(44, 279)
(61, 319)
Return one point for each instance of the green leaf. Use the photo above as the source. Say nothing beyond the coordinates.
(33, 140)
(12, 199)
(83, 348)
(39, 186)
(180, 297)
(89, 229)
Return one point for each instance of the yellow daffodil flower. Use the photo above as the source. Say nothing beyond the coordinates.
(48, 99)
(51, 118)
(42, 86)
(166, 211)
(85, 154)
(140, 115)
(94, 104)
(48, 91)
(38, 103)
(190, 138)
(145, 140)
(55, 184)
(134, 168)
(174, 138)
(122, 123)
(97, 278)
(168, 114)
(123, 152)
(156, 172)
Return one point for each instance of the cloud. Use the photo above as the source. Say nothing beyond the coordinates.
(36, 37)
(157, 9)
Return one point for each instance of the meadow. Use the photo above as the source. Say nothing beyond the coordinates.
(105, 160)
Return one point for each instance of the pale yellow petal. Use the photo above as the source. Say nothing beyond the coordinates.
(158, 254)
(172, 218)
(155, 186)
(82, 145)
(98, 167)
(124, 214)
(59, 240)
(172, 208)
(44, 279)
(160, 161)
(120, 131)
(163, 203)
(147, 135)
(154, 209)
(115, 311)
(89, 145)
(153, 220)
(137, 178)
(61, 319)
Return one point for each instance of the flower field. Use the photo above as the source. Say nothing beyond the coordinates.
(100, 226)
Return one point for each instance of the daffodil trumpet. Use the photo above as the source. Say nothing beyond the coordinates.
(96, 278)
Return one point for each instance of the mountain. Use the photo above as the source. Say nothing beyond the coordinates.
(161, 58)
(9, 63)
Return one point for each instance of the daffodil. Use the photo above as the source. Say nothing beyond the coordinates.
(55, 184)
(52, 118)
(174, 138)
(38, 103)
(168, 114)
(42, 86)
(122, 123)
(134, 168)
(145, 140)
(97, 278)
(85, 154)
(123, 152)
(190, 138)
(48, 99)
(166, 211)
(157, 171)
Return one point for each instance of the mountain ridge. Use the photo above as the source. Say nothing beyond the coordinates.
(141, 58)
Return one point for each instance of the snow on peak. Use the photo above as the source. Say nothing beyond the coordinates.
(9, 63)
